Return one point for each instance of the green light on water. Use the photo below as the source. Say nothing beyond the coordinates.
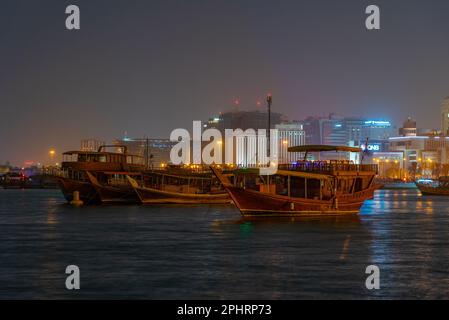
(246, 228)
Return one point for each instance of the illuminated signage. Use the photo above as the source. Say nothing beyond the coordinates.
(378, 123)
(371, 147)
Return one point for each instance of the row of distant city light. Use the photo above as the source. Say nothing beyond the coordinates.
(397, 161)
(386, 160)
(194, 166)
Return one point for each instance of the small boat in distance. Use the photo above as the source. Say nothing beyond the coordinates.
(305, 188)
(439, 187)
(161, 187)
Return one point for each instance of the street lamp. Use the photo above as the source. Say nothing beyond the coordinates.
(269, 101)
(52, 153)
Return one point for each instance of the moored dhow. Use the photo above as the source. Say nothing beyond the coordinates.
(439, 187)
(166, 187)
(73, 175)
(305, 188)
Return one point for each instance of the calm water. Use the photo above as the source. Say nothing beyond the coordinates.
(209, 252)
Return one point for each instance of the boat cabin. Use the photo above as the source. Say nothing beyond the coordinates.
(76, 163)
(318, 180)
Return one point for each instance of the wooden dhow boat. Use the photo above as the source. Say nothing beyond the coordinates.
(75, 165)
(304, 188)
(165, 187)
(439, 187)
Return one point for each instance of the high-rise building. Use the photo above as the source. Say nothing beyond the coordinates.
(291, 134)
(445, 117)
(347, 131)
(243, 120)
(334, 132)
(354, 127)
(324, 130)
(246, 150)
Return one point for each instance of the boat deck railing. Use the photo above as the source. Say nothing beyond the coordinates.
(328, 167)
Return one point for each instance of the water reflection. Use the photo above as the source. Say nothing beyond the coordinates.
(52, 209)
(338, 221)
(212, 252)
(246, 228)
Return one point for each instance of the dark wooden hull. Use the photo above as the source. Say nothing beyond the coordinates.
(109, 194)
(433, 190)
(87, 192)
(113, 194)
(155, 196)
(254, 203)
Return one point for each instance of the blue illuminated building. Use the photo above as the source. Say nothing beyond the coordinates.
(348, 131)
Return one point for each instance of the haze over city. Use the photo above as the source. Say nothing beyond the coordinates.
(205, 152)
(149, 67)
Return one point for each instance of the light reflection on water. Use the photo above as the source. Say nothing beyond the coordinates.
(211, 252)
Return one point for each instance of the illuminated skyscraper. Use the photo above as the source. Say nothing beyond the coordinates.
(291, 134)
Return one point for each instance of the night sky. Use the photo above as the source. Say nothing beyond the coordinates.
(147, 67)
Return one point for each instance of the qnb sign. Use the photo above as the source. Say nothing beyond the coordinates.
(371, 147)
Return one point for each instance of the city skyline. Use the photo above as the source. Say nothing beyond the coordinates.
(53, 153)
(121, 71)
(332, 130)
